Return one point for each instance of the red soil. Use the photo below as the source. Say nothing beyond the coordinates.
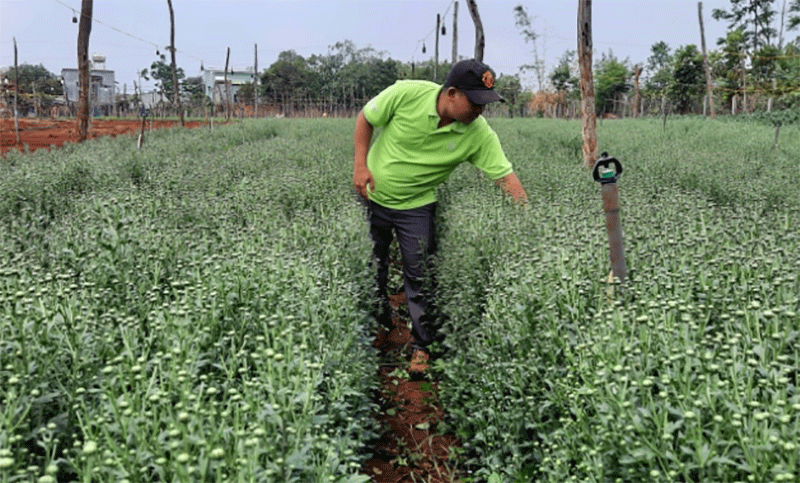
(412, 447)
(44, 133)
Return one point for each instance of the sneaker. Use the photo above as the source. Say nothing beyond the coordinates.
(419, 362)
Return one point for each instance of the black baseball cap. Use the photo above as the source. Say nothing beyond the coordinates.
(474, 79)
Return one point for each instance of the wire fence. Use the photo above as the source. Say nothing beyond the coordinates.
(546, 105)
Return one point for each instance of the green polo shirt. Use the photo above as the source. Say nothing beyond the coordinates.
(412, 156)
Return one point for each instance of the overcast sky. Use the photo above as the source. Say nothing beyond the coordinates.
(128, 32)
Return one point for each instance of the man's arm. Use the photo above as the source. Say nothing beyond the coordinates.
(362, 177)
(511, 186)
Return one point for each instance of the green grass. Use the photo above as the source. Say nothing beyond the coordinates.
(197, 310)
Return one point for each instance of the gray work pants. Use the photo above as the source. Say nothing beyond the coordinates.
(416, 237)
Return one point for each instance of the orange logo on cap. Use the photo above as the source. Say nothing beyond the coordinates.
(488, 80)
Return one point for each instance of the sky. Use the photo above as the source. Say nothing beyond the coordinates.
(129, 32)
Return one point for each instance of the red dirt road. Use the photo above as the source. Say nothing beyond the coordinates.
(44, 133)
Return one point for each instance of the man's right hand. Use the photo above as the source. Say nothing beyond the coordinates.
(363, 181)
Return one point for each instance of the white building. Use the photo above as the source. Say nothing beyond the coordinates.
(214, 83)
(103, 86)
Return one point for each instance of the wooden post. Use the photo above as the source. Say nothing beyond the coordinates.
(16, 90)
(588, 114)
(436, 49)
(255, 83)
(84, 30)
(141, 134)
(227, 91)
(480, 39)
(455, 33)
(709, 87)
(175, 85)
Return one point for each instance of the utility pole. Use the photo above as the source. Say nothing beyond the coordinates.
(480, 39)
(588, 114)
(84, 30)
(455, 33)
(175, 85)
(709, 87)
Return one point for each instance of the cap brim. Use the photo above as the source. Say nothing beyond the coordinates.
(483, 96)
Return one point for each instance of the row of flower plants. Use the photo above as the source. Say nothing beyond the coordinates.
(193, 311)
(688, 371)
(197, 310)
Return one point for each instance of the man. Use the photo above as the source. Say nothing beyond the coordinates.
(428, 130)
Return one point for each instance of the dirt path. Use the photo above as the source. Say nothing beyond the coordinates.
(415, 445)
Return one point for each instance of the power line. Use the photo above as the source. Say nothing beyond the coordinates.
(94, 19)
(422, 40)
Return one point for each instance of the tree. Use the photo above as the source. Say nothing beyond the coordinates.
(524, 22)
(787, 76)
(754, 17)
(246, 93)
(173, 66)
(161, 72)
(348, 75)
(480, 38)
(659, 67)
(288, 79)
(731, 65)
(688, 78)
(84, 31)
(37, 87)
(510, 87)
(193, 89)
(562, 76)
(793, 21)
(611, 82)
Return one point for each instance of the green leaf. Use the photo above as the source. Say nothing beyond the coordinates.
(356, 479)
(494, 478)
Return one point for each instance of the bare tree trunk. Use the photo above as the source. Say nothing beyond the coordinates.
(84, 79)
(709, 87)
(783, 18)
(174, 67)
(480, 39)
(588, 114)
